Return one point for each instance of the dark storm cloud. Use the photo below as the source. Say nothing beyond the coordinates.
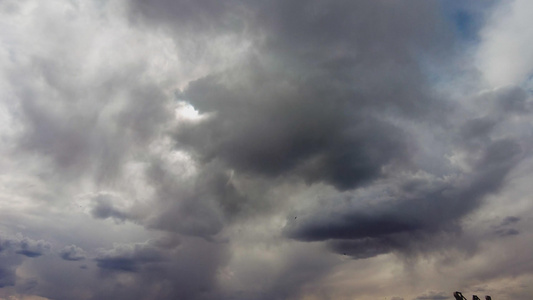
(72, 253)
(422, 207)
(328, 94)
(312, 103)
(308, 103)
(320, 100)
(271, 128)
(364, 248)
(417, 208)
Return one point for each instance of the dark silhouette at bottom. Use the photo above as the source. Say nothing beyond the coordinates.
(459, 296)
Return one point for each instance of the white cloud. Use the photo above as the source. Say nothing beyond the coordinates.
(504, 55)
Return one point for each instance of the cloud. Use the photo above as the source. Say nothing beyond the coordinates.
(318, 121)
(72, 253)
(12, 251)
(404, 210)
(24, 246)
(187, 270)
(293, 133)
(128, 258)
(240, 146)
(504, 38)
(7, 275)
(185, 206)
(510, 220)
(104, 209)
(434, 296)
(505, 229)
(407, 210)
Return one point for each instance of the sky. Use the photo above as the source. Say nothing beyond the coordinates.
(250, 149)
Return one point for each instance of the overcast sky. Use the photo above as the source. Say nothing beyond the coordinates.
(251, 149)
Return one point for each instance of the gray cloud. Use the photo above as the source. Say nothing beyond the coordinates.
(259, 138)
(292, 133)
(104, 208)
(7, 275)
(320, 119)
(510, 220)
(72, 253)
(504, 228)
(507, 232)
(186, 271)
(417, 207)
(91, 138)
(183, 206)
(12, 251)
(434, 296)
(24, 246)
(128, 258)
(511, 99)
(205, 16)
(364, 248)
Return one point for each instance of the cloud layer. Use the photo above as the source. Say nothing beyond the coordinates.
(264, 149)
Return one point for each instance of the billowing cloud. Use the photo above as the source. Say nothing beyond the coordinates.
(24, 246)
(264, 149)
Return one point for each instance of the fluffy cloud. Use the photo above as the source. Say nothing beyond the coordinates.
(24, 246)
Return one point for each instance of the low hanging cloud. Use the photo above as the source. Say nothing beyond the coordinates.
(419, 206)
